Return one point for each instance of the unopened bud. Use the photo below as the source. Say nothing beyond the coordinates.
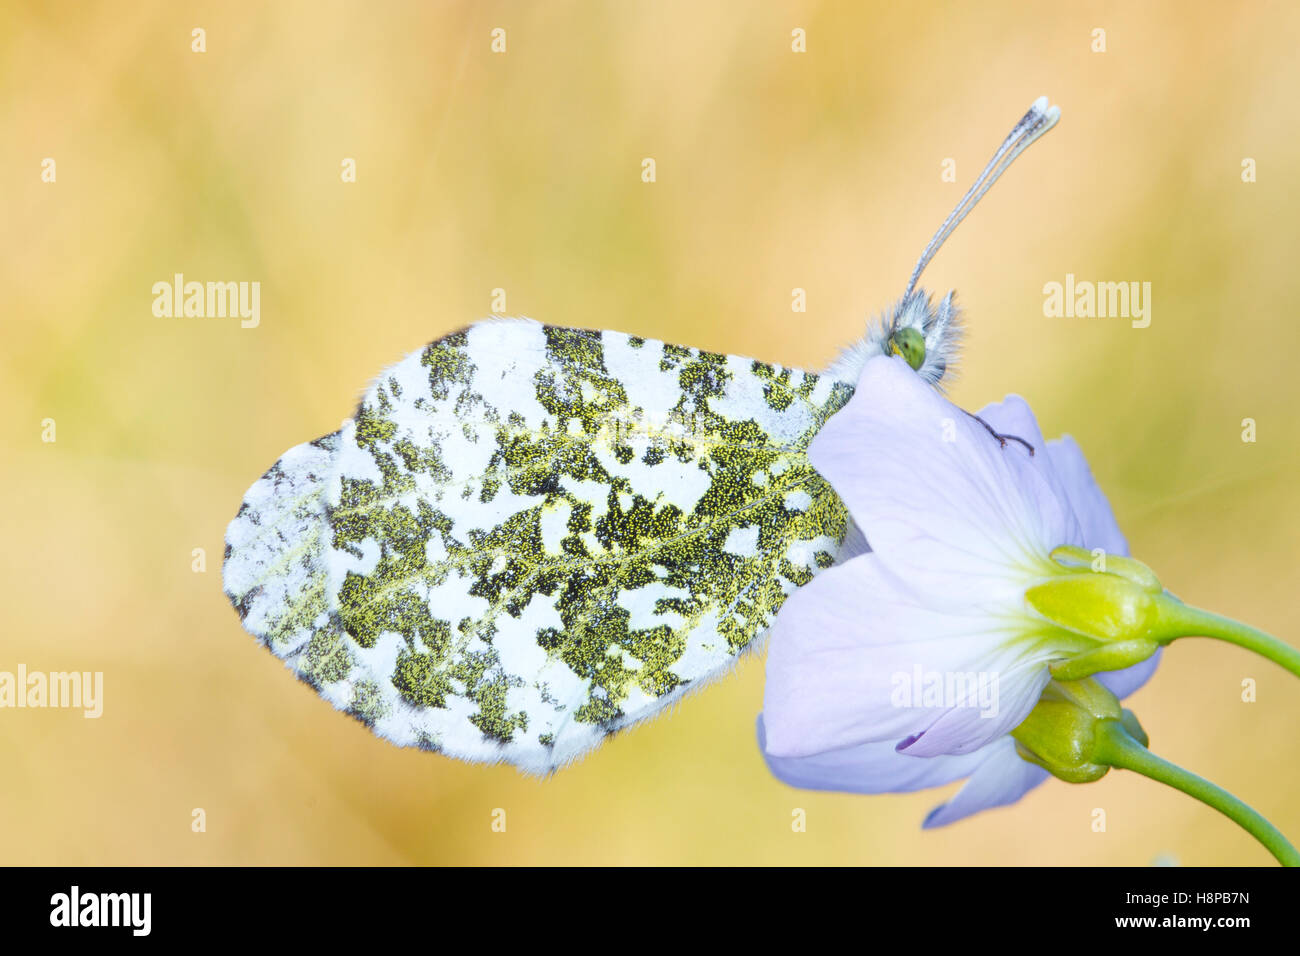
(1060, 733)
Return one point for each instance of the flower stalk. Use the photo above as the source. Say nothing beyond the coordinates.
(1078, 731)
(1194, 622)
(1116, 747)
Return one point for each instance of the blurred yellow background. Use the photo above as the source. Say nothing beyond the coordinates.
(522, 171)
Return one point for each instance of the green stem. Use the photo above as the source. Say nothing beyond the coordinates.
(1191, 621)
(1116, 747)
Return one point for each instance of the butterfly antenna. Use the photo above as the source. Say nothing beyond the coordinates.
(1032, 125)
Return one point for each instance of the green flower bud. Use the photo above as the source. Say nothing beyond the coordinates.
(1061, 732)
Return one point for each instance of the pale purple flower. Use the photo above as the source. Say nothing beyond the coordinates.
(959, 526)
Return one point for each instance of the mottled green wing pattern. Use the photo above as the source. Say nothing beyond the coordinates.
(535, 536)
(274, 571)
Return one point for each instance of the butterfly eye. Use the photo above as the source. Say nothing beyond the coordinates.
(908, 343)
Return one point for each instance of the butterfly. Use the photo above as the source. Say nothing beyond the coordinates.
(529, 537)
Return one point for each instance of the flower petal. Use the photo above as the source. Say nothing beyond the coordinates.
(1013, 417)
(866, 768)
(939, 499)
(1002, 777)
(852, 659)
(964, 729)
(1087, 501)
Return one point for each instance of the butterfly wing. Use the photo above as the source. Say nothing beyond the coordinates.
(274, 570)
(529, 537)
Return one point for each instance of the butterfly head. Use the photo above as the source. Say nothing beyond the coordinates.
(924, 334)
(927, 335)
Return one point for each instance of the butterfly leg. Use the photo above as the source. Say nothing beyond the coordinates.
(1002, 439)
